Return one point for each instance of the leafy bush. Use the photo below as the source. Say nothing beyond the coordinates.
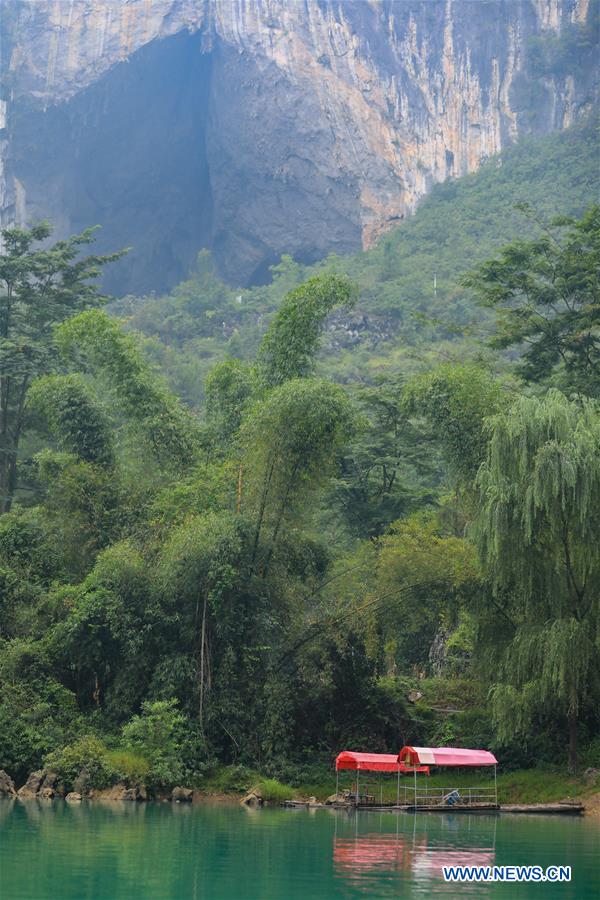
(590, 754)
(273, 791)
(35, 717)
(88, 756)
(128, 766)
(231, 778)
(156, 735)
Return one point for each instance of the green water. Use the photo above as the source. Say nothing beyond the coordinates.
(127, 851)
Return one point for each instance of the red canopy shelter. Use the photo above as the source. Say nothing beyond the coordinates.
(451, 756)
(348, 760)
(374, 762)
(445, 756)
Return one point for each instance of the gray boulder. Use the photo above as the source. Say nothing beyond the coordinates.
(254, 797)
(137, 792)
(50, 780)
(7, 785)
(81, 785)
(343, 798)
(31, 787)
(41, 784)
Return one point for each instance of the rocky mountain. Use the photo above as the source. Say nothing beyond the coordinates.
(262, 127)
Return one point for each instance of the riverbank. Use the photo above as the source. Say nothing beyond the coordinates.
(229, 784)
(527, 786)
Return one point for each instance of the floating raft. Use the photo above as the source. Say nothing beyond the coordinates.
(457, 807)
(302, 804)
(555, 809)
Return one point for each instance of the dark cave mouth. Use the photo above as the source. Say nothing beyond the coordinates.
(180, 149)
(128, 154)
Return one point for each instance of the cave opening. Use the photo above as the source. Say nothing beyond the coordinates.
(129, 154)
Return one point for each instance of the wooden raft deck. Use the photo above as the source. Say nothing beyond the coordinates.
(556, 809)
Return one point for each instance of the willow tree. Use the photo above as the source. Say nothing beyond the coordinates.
(537, 533)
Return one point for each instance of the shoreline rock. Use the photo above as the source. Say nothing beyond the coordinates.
(7, 785)
(41, 785)
(252, 798)
(121, 792)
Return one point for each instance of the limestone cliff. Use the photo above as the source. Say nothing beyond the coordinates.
(258, 127)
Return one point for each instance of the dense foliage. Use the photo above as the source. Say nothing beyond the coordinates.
(279, 563)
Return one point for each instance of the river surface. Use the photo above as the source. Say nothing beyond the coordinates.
(129, 851)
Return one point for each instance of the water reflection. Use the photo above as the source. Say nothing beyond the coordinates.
(130, 851)
(395, 847)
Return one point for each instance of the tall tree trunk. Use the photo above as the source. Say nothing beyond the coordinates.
(8, 477)
(572, 742)
(261, 513)
(280, 518)
(202, 647)
(238, 501)
(10, 436)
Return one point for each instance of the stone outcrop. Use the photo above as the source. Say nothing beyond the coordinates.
(342, 798)
(182, 795)
(7, 785)
(121, 792)
(253, 797)
(258, 127)
(41, 785)
(82, 784)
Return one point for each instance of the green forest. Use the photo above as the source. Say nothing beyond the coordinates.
(357, 507)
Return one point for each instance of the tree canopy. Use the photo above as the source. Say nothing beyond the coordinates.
(268, 554)
(39, 287)
(547, 296)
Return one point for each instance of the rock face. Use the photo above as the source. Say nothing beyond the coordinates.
(122, 792)
(253, 797)
(40, 785)
(258, 127)
(7, 785)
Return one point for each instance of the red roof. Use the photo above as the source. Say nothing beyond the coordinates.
(373, 762)
(369, 762)
(445, 756)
